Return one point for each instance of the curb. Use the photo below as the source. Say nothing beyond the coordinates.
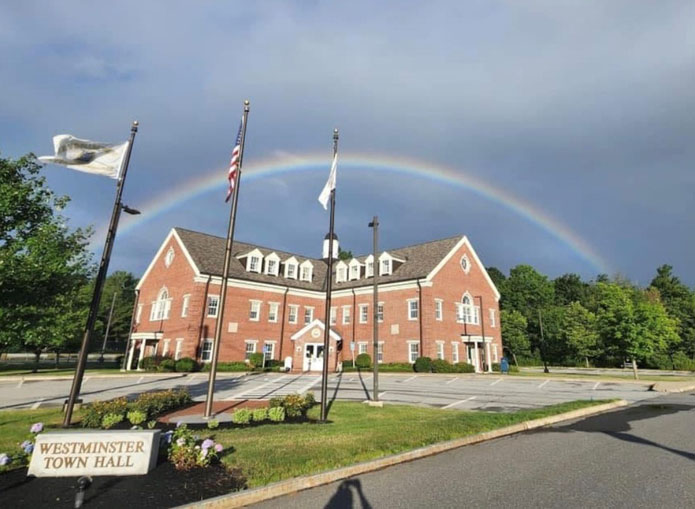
(289, 486)
(671, 387)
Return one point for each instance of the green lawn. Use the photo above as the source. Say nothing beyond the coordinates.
(51, 371)
(357, 433)
(608, 377)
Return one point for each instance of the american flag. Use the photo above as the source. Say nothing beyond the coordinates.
(234, 163)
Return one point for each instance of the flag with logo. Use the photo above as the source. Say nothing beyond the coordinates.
(87, 156)
(234, 163)
(330, 184)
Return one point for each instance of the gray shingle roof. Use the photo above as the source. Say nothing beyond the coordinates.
(207, 252)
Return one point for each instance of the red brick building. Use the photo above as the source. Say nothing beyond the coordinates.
(435, 299)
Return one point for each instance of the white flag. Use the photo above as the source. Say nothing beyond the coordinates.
(87, 156)
(330, 184)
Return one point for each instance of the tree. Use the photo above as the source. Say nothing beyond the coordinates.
(344, 255)
(657, 332)
(122, 284)
(43, 265)
(680, 305)
(569, 288)
(514, 335)
(579, 332)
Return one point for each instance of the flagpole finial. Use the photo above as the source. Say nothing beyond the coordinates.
(335, 133)
(246, 102)
(135, 125)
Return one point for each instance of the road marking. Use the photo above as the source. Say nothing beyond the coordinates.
(496, 382)
(541, 385)
(259, 388)
(37, 404)
(452, 380)
(381, 395)
(140, 379)
(596, 386)
(309, 385)
(85, 380)
(20, 383)
(459, 402)
(410, 379)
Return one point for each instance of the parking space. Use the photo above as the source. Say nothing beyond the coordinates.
(462, 392)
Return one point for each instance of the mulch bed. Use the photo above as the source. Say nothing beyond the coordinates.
(163, 487)
(218, 407)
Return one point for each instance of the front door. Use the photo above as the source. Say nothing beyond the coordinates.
(313, 357)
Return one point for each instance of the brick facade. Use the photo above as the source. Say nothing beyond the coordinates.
(441, 279)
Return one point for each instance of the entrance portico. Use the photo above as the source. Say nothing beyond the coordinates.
(142, 341)
(474, 351)
(308, 354)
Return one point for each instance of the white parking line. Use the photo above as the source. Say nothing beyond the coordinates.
(451, 381)
(140, 379)
(541, 385)
(458, 402)
(309, 385)
(381, 395)
(20, 383)
(37, 404)
(596, 386)
(251, 389)
(496, 382)
(410, 379)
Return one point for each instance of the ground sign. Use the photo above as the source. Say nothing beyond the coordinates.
(94, 453)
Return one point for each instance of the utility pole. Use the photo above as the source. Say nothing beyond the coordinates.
(375, 273)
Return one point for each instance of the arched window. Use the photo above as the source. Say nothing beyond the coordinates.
(162, 306)
(466, 311)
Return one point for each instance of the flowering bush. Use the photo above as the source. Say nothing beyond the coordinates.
(186, 453)
(26, 448)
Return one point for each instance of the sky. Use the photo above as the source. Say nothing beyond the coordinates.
(557, 134)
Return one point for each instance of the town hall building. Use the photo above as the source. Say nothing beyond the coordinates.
(435, 299)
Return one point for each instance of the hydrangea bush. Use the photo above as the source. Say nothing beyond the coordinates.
(25, 450)
(186, 451)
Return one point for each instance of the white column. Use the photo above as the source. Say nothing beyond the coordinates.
(488, 358)
(131, 351)
(143, 344)
(477, 357)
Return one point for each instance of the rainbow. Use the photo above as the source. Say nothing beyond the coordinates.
(282, 164)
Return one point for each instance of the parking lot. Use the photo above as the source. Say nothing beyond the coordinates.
(464, 392)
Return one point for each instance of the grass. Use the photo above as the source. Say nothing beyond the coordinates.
(608, 377)
(357, 433)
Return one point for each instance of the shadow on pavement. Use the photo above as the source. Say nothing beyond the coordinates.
(618, 424)
(343, 498)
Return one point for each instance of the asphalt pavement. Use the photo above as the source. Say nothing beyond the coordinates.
(640, 456)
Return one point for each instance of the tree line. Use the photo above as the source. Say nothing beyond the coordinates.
(606, 322)
(47, 272)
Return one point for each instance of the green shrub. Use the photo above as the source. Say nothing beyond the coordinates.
(363, 361)
(294, 405)
(423, 365)
(396, 367)
(260, 414)
(185, 365)
(96, 411)
(228, 366)
(275, 402)
(213, 424)
(167, 365)
(276, 414)
(151, 363)
(256, 360)
(110, 420)
(151, 424)
(464, 367)
(242, 416)
(153, 404)
(309, 399)
(442, 366)
(136, 417)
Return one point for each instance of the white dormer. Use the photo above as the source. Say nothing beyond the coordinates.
(291, 268)
(341, 271)
(254, 261)
(369, 266)
(355, 267)
(385, 264)
(306, 271)
(272, 264)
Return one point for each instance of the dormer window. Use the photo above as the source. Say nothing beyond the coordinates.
(291, 268)
(272, 264)
(254, 261)
(369, 266)
(385, 264)
(341, 272)
(355, 269)
(306, 270)
(169, 257)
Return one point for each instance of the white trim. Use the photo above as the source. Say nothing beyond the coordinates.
(439, 306)
(172, 233)
(207, 306)
(492, 315)
(347, 308)
(272, 257)
(410, 317)
(475, 339)
(294, 262)
(185, 305)
(465, 242)
(316, 323)
(205, 341)
(341, 272)
(306, 263)
(296, 314)
(351, 266)
(255, 305)
(360, 307)
(169, 257)
(312, 318)
(146, 335)
(272, 305)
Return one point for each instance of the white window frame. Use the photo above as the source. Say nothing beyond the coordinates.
(306, 271)
(273, 309)
(139, 313)
(255, 262)
(308, 314)
(162, 306)
(454, 352)
(333, 315)
(438, 310)
(291, 268)
(416, 344)
(493, 317)
(347, 310)
(440, 349)
(413, 312)
(380, 352)
(380, 312)
(169, 257)
(364, 313)
(184, 305)
(465, 264)
(179, 347)
(292, 313)
(269, 356)
(254, 310)
(203, 351)
(250, 342)
(341, 272)
(467, 312)
(369, 266)
(385, 267)
(362, 347)
(354, 273)
(209, 300)
(165, 347)
(272, 270)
